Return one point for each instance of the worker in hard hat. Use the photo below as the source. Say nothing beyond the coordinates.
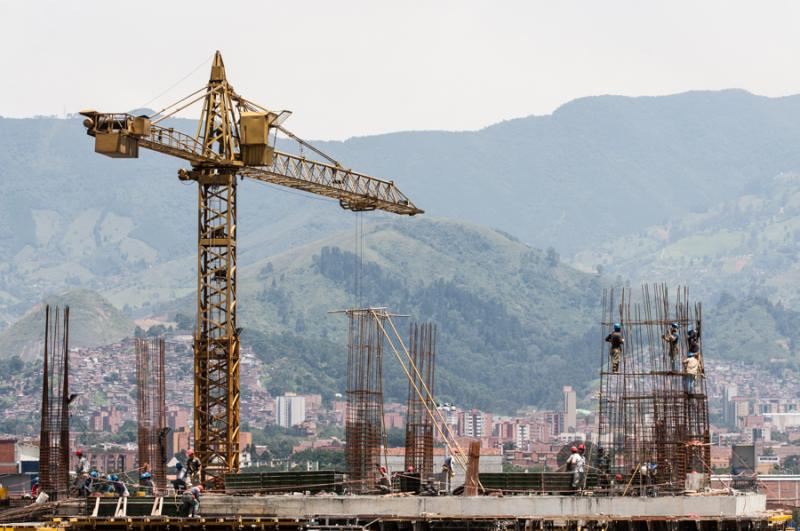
(691, 372)
(192, 466)
(575, 464)
(92, 485)
(146, 483)
(179, 483)
(119, 486)
(617, 341)
(190, 502)
(34, 487)
(82, 469)
(671, 337)
(693, 345)
(384, 483)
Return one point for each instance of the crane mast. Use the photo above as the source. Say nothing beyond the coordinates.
(234, 137)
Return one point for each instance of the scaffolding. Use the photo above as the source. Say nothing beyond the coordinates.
(54, 434)
(364, 428)
(151, 409)
(653, 414)
(419, 424)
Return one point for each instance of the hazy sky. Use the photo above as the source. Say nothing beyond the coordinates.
(351, 68)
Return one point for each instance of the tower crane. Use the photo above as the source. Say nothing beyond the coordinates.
(235, 137)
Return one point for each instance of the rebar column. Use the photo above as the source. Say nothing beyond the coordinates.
(151, 409)
(364, 429)
(54, 427)
(419, 425)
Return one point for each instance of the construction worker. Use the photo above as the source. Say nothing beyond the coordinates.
(119, 487)
(34, 487)
(447, 469)
(693, 341)
(146, 483)
(616, 340)
(81, 473)
(82, 468)
(93, 482)
(190, 502)
(692, 369)
(575, 464)
(180, 478)
(384, 483)
(192, 466)
(671, 337)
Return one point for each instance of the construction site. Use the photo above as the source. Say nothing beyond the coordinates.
(648, 468)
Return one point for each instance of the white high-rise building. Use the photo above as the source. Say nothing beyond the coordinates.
(570, 416)
(290, 410)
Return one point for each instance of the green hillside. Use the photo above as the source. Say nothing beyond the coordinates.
(595, 170)
(511, 318)
(93, 321)
(748, 245)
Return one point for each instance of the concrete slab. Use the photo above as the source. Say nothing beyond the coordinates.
(556, 507)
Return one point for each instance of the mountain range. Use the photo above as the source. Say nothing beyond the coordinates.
(525, 221)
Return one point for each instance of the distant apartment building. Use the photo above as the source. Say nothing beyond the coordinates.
(570, 415)
(471, 424)
(522, 434)
(290, 410)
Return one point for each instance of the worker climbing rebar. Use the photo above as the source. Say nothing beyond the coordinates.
(617, 341)
(692, 370)
(671, 337)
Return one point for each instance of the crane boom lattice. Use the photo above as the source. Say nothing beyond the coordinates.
(234, 137)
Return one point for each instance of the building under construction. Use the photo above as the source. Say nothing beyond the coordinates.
(653, 415)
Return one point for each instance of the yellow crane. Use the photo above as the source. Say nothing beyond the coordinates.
(234, 137)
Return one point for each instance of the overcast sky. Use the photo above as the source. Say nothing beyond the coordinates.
(352, 68)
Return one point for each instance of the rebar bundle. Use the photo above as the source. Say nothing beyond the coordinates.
(653, 413)
(54, 434)
(419, 424)
(364, 429)
(151, 409)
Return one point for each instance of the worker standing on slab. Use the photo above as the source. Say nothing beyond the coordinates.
(180, 478)
(82, 473)
(692, 369)
(575, 464)
(190, 502)
(671, 337)
(192, 466)
(384, 483)
(119, 487)
(616, 340)
(146, 483)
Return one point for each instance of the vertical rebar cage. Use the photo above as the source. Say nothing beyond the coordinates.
(151, 409)
(364, 430)
(54, 432)
(419, 424)
(653, 415)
